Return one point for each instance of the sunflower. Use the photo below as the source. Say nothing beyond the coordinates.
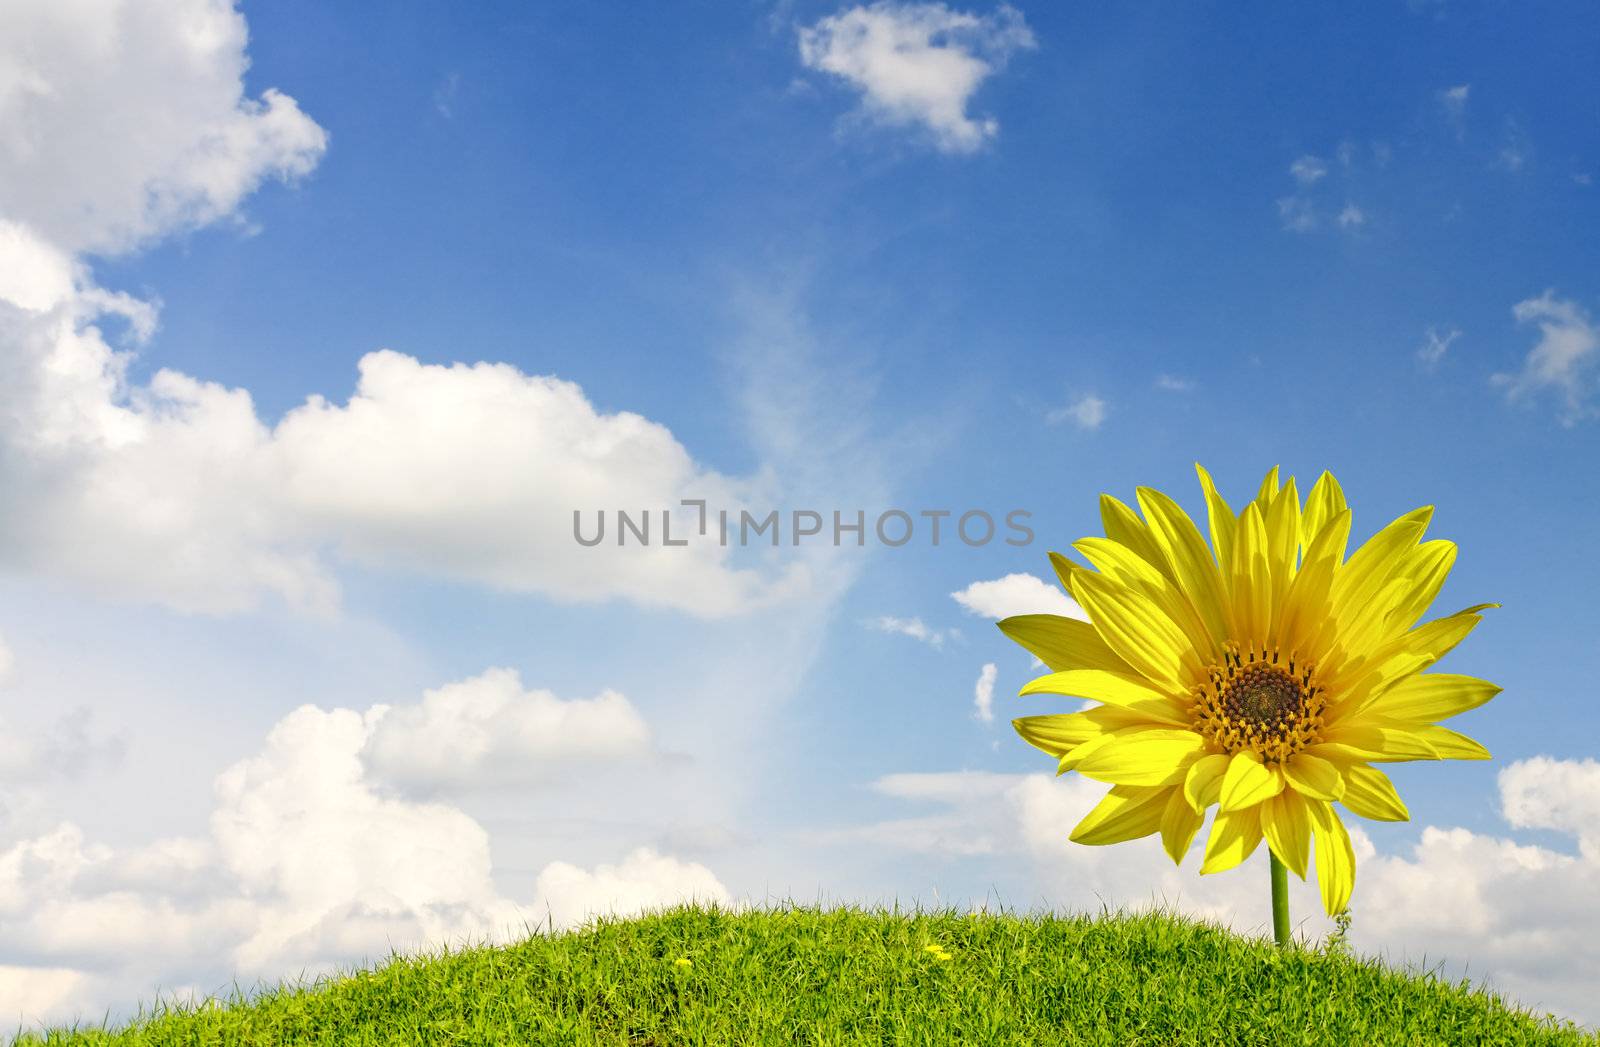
(1265, 674)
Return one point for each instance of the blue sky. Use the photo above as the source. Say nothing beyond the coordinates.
(1027, 256)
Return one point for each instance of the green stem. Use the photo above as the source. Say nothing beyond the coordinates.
(1280, 901)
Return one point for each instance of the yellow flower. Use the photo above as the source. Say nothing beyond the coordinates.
(683, 961)
(1265, 674)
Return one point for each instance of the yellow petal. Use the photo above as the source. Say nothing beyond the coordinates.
(1124, 527)
(1268, 491)
(1179, 823)
(1282, 521)
(1370, 742)
(1313, 776)
(1369, 793)
(1125, 567)
(1202, 784)
(1187, 557)
(1252, 578)
(1336, 858)
(1425, 569)
(1220, 519)
(1234, 837)
(1248, 781)
(1431, 697)
(1450, 745)
(1124, 690)
(1374, 563)
(1126, 813)
(1307, 612)
(1058, 733)
(1156, 756)
(1136, 629)
(1064, 569)
(1062, 643)
(1325, 502)
(1287, 827)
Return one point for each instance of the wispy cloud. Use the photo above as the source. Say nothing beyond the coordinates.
(1561, 361)
(1308, 170)
(1018, 593)
(1435, 345)
(915, 628)
(918, 65)
(983, 693)
(1086, 412)
(1174, 383)
(1454, 102)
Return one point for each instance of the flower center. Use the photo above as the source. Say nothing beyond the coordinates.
(1261, 702)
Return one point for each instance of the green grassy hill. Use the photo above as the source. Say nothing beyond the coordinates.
(846, 976)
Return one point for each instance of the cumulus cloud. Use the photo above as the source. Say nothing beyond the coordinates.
(918, 65)
(174, 489)
(1086, 412)
(1561, 362)
(915, 628)
(121, 123)
(1519, 915)
(489, 731)
(983, 693)
(1014, 594)
(311, 862)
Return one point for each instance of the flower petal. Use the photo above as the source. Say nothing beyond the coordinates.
(1313, 776)
(1188, 558)
(1450, 745)
(1158, 756)
(1325, 502)
(1287, 826)
(1127, 812)
(1336, 858)
(1431, 697)
(1124, 690)
(1369, 793)
(1220, 519)
(1251, 578)
(1058, 733)
(1062, 643)
(1366, 741)
(1136, 629)
(1123, 526)
(1125, 567)
(1248, 781)
(1179, 823)
(1370, 566)
(1282, 521)
(1202, 785)
(1234, 837)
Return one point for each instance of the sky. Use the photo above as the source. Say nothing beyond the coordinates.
(318, 324)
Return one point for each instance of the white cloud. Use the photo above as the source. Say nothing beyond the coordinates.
(1563, 359)
(310, 864)
(1521, 916)
(1308, 169)
(1015, 594)
(7, 662)
(1435, 346)
(1297, 214)
(568, 895)
(66, 749)
(1352, 217)
(1454, 102)
(915, 628)
(120, 124)
(918, 64)
(489, 731)
(1174, 383)
(983, 692)
(175, 490)
(1086, 412)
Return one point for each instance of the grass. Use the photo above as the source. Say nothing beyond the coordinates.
(796, 976)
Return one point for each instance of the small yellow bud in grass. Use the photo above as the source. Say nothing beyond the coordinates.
(942, 956)
(935, 947)
(683, 961)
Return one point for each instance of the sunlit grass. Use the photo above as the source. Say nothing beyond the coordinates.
(796, 975)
